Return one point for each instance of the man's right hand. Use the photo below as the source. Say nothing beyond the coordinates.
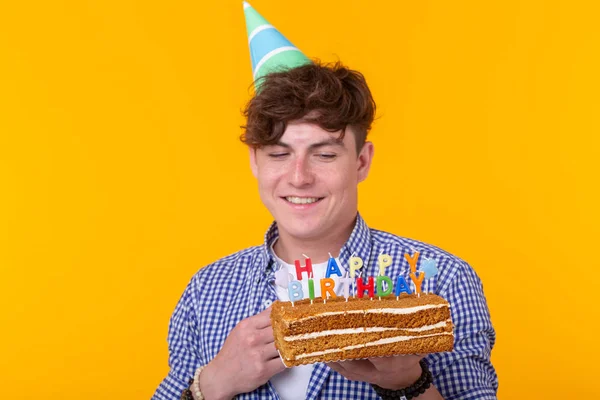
(247, 360)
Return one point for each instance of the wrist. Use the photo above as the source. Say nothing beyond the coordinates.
(210, 385)
(419, 387)
(407, 378)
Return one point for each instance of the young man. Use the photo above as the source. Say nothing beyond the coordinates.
(306, 131)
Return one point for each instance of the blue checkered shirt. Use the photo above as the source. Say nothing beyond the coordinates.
(222, 294)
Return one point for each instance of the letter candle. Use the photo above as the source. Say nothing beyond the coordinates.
(369, 287)
(402, 286)
(355, 263)
(412, 262)
(327, 285)
(417, 280)
(311, 288)
(306, 268)
(388, 281)
(384, 261)
(332, 267)
(295, 291)
(345, 282)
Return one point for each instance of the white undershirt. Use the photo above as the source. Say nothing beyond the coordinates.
(292, 383)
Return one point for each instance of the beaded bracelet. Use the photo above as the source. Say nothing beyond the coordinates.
(194, 386)
(187, 393)
(408, 393)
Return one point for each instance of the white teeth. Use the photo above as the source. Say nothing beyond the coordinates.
(302, 200)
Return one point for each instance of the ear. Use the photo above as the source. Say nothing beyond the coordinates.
(253, 165)
(365, 157)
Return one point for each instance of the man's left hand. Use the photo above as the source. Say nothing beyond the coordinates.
(395, 372)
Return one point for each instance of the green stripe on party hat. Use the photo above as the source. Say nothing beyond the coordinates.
(282, 60)
(270, 51)
(253, 19)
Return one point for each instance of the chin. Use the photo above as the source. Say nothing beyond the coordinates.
(301, 229)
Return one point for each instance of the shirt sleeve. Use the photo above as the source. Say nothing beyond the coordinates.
(467, 372)
(184, 342)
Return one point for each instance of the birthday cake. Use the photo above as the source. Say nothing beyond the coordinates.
(340, 329)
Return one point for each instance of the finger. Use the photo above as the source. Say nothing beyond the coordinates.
(265, 335)
(274, 366)
(336, 366)
(269, 351)
(359, 367)
(262, 319)
(395, 362)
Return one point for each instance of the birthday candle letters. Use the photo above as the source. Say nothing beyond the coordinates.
(380, 286)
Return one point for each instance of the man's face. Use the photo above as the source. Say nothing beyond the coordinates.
(308, 181)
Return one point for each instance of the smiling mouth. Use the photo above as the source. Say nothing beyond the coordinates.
(302, 200)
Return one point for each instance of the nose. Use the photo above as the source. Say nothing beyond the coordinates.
(301, 173)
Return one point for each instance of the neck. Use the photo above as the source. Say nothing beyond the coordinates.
(290, 248)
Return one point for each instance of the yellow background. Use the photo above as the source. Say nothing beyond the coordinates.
(121, 173)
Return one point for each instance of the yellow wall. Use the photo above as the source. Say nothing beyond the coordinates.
(121, 173)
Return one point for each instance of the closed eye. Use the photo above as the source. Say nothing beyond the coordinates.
(326, 156)
(278, 155)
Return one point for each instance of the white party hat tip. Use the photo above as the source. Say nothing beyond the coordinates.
(246, 4)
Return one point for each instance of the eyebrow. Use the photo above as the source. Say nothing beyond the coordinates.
(328, 142)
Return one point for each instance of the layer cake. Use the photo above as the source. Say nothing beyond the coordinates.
(306, 333)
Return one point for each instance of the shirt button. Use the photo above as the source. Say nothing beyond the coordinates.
(267, 303)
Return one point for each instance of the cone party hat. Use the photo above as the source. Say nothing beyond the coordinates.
(269, 50)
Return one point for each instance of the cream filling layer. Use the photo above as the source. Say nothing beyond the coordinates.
(373, 343)
(397, 311)
(350, 331)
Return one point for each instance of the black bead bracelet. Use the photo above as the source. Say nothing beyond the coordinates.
(410, 392)
(187, 393)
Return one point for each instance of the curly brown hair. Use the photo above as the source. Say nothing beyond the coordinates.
(329, 95)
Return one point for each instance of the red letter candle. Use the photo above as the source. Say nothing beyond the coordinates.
(307, 268)
(361, 287)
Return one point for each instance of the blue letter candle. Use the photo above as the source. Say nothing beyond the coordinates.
(402, 286)
(295, 291)
(332, 268)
